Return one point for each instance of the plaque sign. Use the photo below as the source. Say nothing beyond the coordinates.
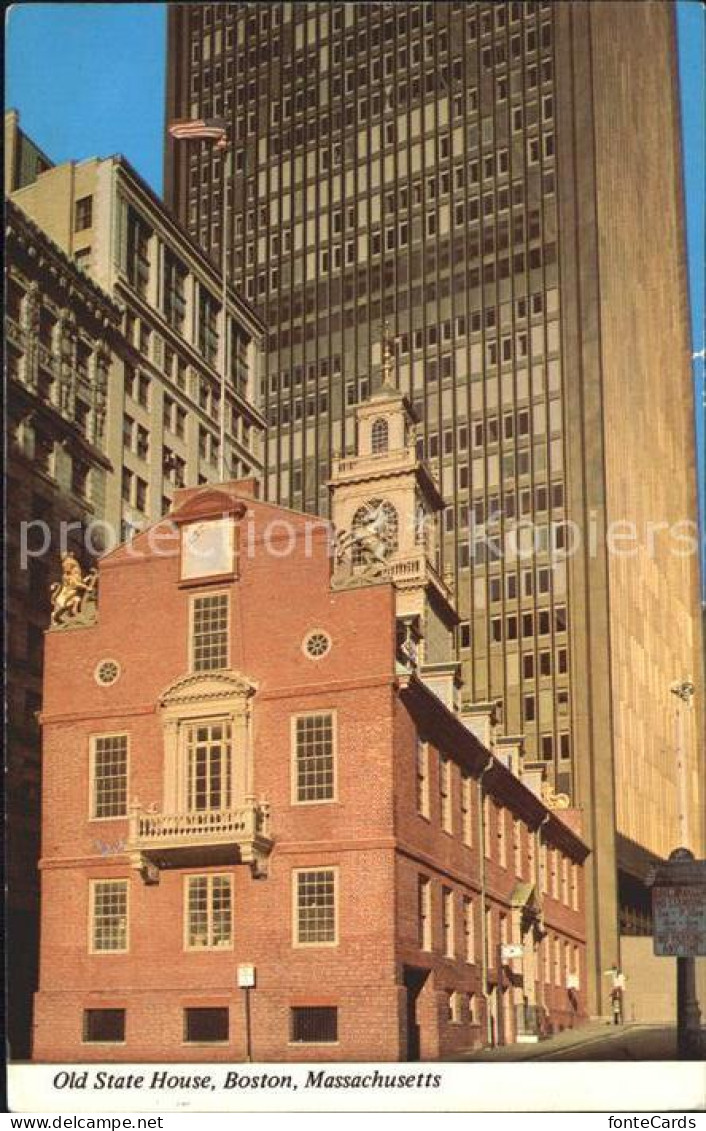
(246, 976)
(679, 915)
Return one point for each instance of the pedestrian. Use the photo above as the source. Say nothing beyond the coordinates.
(616, 999)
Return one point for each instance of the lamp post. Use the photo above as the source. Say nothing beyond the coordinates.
(225, 154)
(688, 1014)
(684, 692)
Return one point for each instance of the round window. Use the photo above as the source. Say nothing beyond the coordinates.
(107, 671)
(317, 644)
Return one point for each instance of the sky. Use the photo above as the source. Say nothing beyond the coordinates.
(88, 80)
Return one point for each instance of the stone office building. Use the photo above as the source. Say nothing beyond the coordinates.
(163, 415)
(489, 177)
(114, 345)
(62, 336)
(299, 792)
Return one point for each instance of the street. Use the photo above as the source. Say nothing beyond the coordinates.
(596, 1041)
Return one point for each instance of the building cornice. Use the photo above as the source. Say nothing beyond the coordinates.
(499, 782)
(131, 179)
(29, 235)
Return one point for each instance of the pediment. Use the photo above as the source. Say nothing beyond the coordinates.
(209, 502)
(205, 687)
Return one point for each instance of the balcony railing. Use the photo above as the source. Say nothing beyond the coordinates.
(418, 569)
(401, 457)
(200, 836)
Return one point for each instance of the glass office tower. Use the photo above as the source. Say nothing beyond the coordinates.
(500, 184)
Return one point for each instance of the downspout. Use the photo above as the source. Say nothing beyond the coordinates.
(484, 934)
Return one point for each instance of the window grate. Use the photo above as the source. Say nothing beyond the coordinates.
(208, 1025)
(314, 1024)
(103, 1025)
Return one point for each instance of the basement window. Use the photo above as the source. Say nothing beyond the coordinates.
(314, 1024)
(103, 1026)
(206, 1026)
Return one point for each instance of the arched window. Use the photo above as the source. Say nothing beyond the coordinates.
(378, 525)
(379, 436)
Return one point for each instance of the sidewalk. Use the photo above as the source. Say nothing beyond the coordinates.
(592, 1032)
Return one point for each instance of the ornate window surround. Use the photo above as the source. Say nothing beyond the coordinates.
(207, 697)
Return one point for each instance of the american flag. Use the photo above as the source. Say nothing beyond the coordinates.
(199, 129)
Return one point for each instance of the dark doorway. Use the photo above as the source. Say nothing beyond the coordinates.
(414, 979)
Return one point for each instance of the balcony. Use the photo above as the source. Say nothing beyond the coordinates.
(372, 464)
(418, 570)
(208, 836)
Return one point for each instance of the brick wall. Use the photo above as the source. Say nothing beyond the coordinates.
(371, 834)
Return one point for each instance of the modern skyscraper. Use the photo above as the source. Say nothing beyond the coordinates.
(501, 183)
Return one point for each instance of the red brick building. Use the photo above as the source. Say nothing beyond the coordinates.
(255, 755)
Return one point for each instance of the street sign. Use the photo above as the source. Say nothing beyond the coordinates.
(679, 915)
(246, 976)
(511, 950)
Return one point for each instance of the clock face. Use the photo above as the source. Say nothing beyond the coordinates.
(207, 548)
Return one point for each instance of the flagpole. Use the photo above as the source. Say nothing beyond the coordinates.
(210, 129)
(225, 148)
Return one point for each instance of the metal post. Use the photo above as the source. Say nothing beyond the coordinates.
(688, 1012)
(500, 996)
(248, 1027)
(225, 152)
(684, 691)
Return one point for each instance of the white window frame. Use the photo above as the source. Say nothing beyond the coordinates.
(517, 857)
(448, 921)
(467, 808)
(333, 713)
(501, 816)
(446, 793)
(425, 932)
(455, 1007)
(421, 770)
(92, 740)
(227, 762)
(192, 618)
(469, 930)
(209, 877)
(92, 888)
(296, 872)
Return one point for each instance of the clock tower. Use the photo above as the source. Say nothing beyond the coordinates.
(385, 507)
